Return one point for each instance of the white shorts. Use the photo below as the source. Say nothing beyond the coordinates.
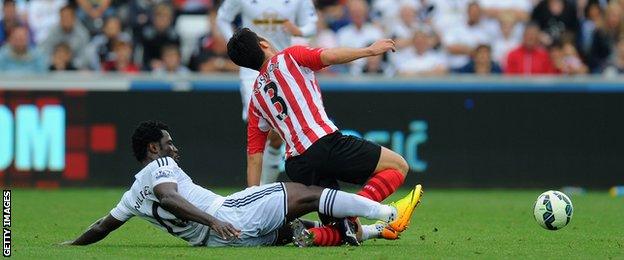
(248, 78)
(258, 212)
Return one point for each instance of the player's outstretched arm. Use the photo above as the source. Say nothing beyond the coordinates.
(343, 55)
(254, 169)
(172, 201)
(97, 231)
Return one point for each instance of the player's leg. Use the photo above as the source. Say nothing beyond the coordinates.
(388, 176)
(271, 158)
(358, 161)
(303, 199)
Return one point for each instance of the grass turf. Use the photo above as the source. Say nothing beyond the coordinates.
(448, 224)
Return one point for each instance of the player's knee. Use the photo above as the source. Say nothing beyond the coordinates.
(402, 165)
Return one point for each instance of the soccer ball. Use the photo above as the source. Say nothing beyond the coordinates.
(553, 210)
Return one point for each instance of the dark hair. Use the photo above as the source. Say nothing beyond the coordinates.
(244, 49)
(8, 2)
(68, 7)
(147, 132)
(169, 47)
(63, 45)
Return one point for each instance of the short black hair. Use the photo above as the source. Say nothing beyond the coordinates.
(147, 132)
(244, 49)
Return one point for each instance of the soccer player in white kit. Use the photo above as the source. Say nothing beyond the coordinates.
(278, 21)
(165, 196)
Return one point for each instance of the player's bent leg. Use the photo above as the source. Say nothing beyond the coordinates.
(271, 158)
(389, 159)
(388, 177)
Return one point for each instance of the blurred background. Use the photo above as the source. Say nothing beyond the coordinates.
(487, 93)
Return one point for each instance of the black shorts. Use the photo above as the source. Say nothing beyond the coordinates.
(335, 157)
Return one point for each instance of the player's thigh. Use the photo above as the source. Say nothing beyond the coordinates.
(389, 159)
(352, 159)
(256, 211)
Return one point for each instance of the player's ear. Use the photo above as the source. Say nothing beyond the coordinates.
(153, 147)
(264, 44)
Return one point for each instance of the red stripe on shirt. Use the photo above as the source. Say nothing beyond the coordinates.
(294, 71)
(292, 100)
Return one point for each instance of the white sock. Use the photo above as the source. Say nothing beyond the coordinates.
(372, 231)
(270, 164)
(340, 204)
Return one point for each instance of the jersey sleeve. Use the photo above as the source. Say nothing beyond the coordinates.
(257, 131)
(165, 172)
(122, 211)
(225, 16)
(307, 18)
(307, 56)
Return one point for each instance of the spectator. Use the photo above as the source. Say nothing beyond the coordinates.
(139, 15)
(121, 58)
(375, 65)
(605, 38)
(421, 58)
(70, 31)
(93, 12)
(158, 34)
(17, 56)
(359, 33)
(617, 62)
(405, 25)
(10, 20)
(42, 16)
(529, 58)
(211, 55)
(518, 10)
(556, 18)
(566, 59)
(508, 38)
(460, 40)
(335, 14)
(481, 62)
(62, 58)
(448, 14)
(593, 18)
(325, 37)
(100, 50)
(171, 62)
(388, 13)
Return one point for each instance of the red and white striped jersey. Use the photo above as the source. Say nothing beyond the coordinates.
(286, 97)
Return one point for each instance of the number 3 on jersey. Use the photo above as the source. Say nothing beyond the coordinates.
(278, 102)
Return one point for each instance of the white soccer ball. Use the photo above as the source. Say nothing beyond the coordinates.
(553, 210)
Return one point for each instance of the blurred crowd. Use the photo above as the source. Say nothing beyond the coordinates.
(434, 37)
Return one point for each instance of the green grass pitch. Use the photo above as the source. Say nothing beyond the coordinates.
(448, 224)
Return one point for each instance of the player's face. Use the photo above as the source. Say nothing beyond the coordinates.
(167, 148)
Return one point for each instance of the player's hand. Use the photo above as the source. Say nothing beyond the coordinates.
(381, 46)
(292, 28)
(225, 230)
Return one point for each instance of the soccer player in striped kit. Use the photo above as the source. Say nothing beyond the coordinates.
(278, 21)
(286, 98)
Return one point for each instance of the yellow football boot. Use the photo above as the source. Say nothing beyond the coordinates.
(405, 208)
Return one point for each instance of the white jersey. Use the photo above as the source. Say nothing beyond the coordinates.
(266, 18)
(141, 201)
